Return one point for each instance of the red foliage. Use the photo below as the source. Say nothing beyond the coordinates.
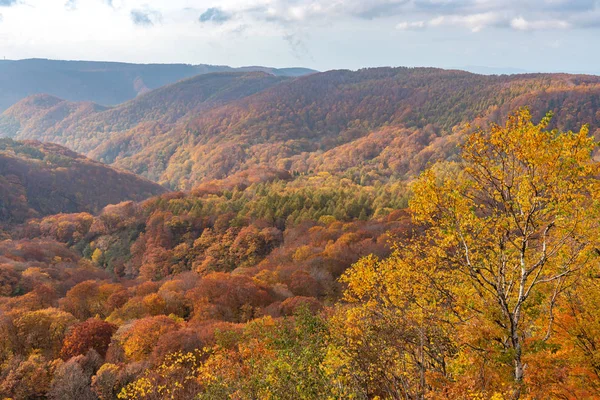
(228, 297)
(91, 334)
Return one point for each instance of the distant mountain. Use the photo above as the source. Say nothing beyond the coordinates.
(369, 124)
(38, 179)
(104, 83)
(110, 133)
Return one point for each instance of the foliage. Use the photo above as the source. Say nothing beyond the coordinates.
(280, 360)
(505, 235)
(370, 124)
(280, 284)
(91, 334)
(44, 179)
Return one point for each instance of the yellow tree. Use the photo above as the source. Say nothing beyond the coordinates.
(392, 338)
(517, 221)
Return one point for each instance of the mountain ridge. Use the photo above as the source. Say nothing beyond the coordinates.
(393, 120)
(106, 83)
(44, 117)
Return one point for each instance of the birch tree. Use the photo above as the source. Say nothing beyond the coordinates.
(518, 221)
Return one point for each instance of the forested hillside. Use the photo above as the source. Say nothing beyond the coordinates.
(110, 132)
(379, 234)
(391, 121)
(478, 277)
(246, 232)
(38, 179)
(105, 83)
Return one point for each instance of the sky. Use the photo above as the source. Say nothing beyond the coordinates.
(502, 35)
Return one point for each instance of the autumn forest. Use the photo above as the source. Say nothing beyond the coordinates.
(386, 233)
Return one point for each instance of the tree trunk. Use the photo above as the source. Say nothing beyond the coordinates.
(518, 363)
(422, 365)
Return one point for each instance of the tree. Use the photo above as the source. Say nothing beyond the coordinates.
(140, 339)
(71, 383)
(106, 381)
(578, 338)
(228, 297)
(174, 378)
(9, 280)
(390, 337)
(83, 300)
(91, 334)
(518, 221)
(29, 379)
(465, 305)
(43, 330)
(267, 360)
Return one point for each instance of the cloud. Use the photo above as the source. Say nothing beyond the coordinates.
(570, 5)
(474, 15)
(414, 25)
(72, 4)
(518, 15)
(478, 22)
(587, 20)
(216, 15)
(145, 17)
(445, 6)
(474, 22)
(308, 11)
(7, 3)
(522, 24)
(378, 9)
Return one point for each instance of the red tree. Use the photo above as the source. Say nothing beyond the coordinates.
(91, 334)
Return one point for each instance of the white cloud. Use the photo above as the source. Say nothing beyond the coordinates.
(248, 31)
(413, 25)
(522, 24)
(474, 15)
(474, 22)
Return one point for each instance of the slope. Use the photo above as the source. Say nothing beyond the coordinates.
(370, 124)
(43, 179)
(85, 127)
(383, 122)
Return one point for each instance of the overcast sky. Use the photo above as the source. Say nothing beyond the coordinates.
(532, 35)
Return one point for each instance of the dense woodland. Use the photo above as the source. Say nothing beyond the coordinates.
(380, 234)
(38, 179)
(393, 121)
